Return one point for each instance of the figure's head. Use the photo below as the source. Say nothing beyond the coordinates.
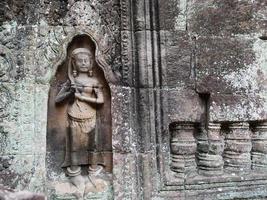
(82, 61)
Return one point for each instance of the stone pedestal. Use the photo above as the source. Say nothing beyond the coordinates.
(237, 148)
(259, 147)
(210, 149)
(183, 149)
(90, 187)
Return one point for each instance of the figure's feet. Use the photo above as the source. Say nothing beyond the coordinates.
(78, 181)
(95, 171)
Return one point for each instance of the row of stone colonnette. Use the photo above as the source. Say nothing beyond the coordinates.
(212, 151)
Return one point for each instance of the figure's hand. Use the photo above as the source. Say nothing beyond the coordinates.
(77, 87)
(96, 90)
(73, 87)
(78, 96)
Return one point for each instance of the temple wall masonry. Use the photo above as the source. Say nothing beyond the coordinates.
(177, 88)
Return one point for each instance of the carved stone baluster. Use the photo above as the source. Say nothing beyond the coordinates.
(237, 148)
(259, 147)
(183, 148)
(210, 149)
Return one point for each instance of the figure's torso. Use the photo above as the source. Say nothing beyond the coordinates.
(81, 109)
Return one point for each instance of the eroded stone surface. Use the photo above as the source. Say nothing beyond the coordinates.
(94, 188)
(177, 61)
(8, 194)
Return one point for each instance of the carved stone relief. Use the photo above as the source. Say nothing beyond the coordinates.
(183, 149)
(220, 149)
(91, 17)
(259, 147)
(210, 149)
(167, 53)
(237, 148)
(80, 121)
(97, 16)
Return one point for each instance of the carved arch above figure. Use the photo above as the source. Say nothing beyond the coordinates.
(100, 57)
(53, 42)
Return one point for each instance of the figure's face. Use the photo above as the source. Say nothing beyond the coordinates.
(82, 62)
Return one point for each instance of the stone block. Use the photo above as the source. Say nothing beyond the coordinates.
(144, 59)
(182, 105)
(57, 13)
(122, 119)
(148, 162)
(227, 62)
(54, 160)
(38, 179)
(23, 172)
(40, 124)
(18, 117)
(8, 194)
(259, 11)
(49, 51)
(172, 14)
(53, 11)
(17, 45)
(177, 56)
(25, 12)
(225, 18)
(146, 119)
(125, 178)
(234, 107)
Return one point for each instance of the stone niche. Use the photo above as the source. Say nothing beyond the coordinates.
(79, 137)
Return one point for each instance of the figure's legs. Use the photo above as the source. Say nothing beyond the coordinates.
(94, 167)
(78, 149)
(74, 170)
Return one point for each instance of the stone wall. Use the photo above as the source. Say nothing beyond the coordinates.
(34, 39)
(188, 107)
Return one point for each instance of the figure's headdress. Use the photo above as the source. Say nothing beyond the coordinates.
(81, 50)
(72, 71)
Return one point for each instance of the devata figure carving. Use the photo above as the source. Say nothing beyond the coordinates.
(84, 92)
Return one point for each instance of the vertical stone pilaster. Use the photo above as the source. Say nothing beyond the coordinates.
(183, 148)
(259, 147)
(237, 148)
(210, 149)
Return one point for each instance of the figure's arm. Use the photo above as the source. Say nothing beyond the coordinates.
(99, 94)
(98, 100)
(64, 92)
(84, 98)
